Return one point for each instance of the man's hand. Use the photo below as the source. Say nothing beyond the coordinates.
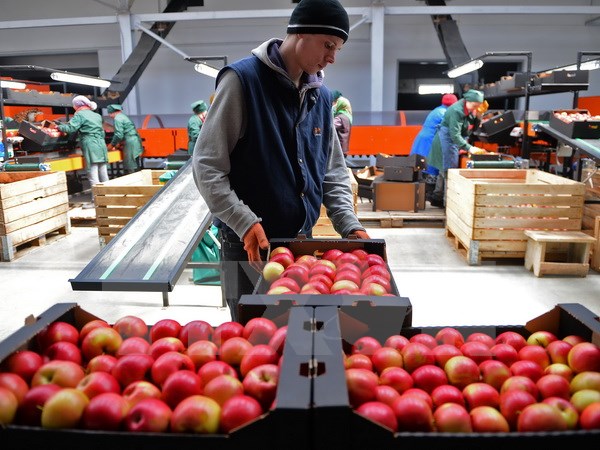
(110, 147)
(360, 234)
(255, 240)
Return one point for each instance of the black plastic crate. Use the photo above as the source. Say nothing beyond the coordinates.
(559, 80)
(401, 173)
(517, 80)
(37, 140)
(587, 129)
(415, 161)
(498, 123)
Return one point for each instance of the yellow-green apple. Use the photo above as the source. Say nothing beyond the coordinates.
(99, 341)
(14, 383)
(64, 409)
(361, 385)
(505, 353)
(55, 332)
(227, 330)
(64, 373)
(306, 260)
(485, 419)
(511, 338)
(520, 383)
(213, 369)
(134, 367)
(372, 288)
(101, 363)
(452, 418)
(138, 390)
(541, 417)
(133, 344)
(560, 369)
(202, 352)
(164, 328)
(105, 411)
(238, 411)
(89, 326)
(584, 357)
(233, 350)
(130, 326)
(416, 354)
(589, 418)
(258, 355)
(261, 383)
(462, 371)
(272, 271)
(384, 282)
(286, 282)
(64, 351)
(527, 368)
(396, 341)
(446, 393)
(494, 373)
(279, 290)
(296, 271)
(8, 406)
(386, 394)
(542, 338)
(573, 339)
(150, 415)
(567, 410)
(480, 394)
(477, 336)
(344, 287)
(379, 412)
(583, 398)
(164, 345)
(428, 377)
(535, 353)
(168, 363)
(332, 254)
(585, 380)
(24, 363)
(278, 339)
(512, 402)
(179, 385)
(553, 385)
(384, 357)
(96, 383)
(448, 335)
(30, 408)
(558, 351)
(374, 259)
(358, 360)
(195, 330)
(476, 350)
(443, 352)
(396, 377)
(196, 414)
(413, 414)
(223, 387)
(365, 345)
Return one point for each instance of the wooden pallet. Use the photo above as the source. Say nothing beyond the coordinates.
(10, 251)
(476, 251)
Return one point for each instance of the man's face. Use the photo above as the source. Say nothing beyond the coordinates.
(472, 106)
(315, 51)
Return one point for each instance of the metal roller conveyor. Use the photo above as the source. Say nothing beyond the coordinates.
(152, 250)
(589, 147)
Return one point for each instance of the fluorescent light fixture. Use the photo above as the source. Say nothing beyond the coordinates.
(425, 89)
(12, 84)
(467, 67)
(79, 79)
(205, 69)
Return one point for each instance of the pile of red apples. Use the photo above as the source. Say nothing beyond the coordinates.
(475, 383)
(575, 116)
(354, 272)
(191, 378)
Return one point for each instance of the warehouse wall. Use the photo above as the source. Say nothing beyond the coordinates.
(170, 84)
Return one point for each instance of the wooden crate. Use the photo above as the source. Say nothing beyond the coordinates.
(591, 210)
(324, 228)
(488, 210)
(119, 199)
(595, 254)
(32, 206)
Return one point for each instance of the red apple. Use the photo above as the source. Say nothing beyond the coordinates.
(485, 419)
(100, 340)
(386, 394)
(480, 394)
(584, 357)
(105, 411)
(590, 417)
(558, 351)
(428, 377)
(261, 383)
(416, 354)
(413, 414)
(233, 350)
(256, 356)
(134, 367)
(494, 373)
(384, 357)
(227, 330)
(164, 345)
(168, 363)
(279, 290)
(358, 361)
(66, 374)
(520, 383)
(130, 326)
(374, 259)
(567, 410)
(197, 414)
(213, 369)
(30, 408)
(573, 339)
(462, 371)
(138, 390)
(541, 417)
(323, 279)
(306, 260)
(282, 258)
(195, 330)
(101, 363)
(541, 338)
(443, 352)
(527, 368)
(377, 280)
(553, 386)
(14, 383)
(283, 250)
(201, 352)
(476, 350)
(396, 377)
(64, 351)
(560, 369)
(332, 254)
(511, 338)
(286, 282)
(535, 353)
(55, 332)
(223, 387)
(378, 269)
(446, 393)
(259, 330)
(361, 386)
(165, 328)
(96, 383)
(238, 411)
(179, 385)
(450, 336)
(64, 409)
(396, 341)
(277, 341)
(380, 413)
(24, 363)
(149, 415)
(297, 272)
(425, 339)
(452, 417)
(323, 267)
(134, 344)
(365, 345)
(512, 402)
(89, 326)
(314, 288)
(505, 353)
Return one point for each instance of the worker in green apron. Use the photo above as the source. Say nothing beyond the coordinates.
(195, 123)
(125, 132)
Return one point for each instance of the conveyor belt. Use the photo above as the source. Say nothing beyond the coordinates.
(590, 147)
(152, 250)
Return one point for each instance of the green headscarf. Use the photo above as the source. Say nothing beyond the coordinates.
(342, 106)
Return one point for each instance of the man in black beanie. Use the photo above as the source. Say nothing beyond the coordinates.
(268, 155)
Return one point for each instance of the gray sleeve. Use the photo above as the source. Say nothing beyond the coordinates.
(337, 192)
(223, 127)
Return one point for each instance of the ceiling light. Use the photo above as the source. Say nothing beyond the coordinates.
(79, 79)
(12, 84)
(425, 89)
(205, 69)
(467, 67)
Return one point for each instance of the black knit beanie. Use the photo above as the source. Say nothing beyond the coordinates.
(319, 17)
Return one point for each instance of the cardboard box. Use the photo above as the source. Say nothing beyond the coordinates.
(285, 426)
(337, 425)
(398, 196)
(586, 129)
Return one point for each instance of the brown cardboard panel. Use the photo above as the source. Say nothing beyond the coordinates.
(398, 196)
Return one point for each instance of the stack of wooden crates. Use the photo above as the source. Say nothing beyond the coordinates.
(591, 216)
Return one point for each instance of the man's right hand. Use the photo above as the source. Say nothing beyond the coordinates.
(255, 239)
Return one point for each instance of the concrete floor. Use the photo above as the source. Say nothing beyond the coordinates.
(442, 287)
